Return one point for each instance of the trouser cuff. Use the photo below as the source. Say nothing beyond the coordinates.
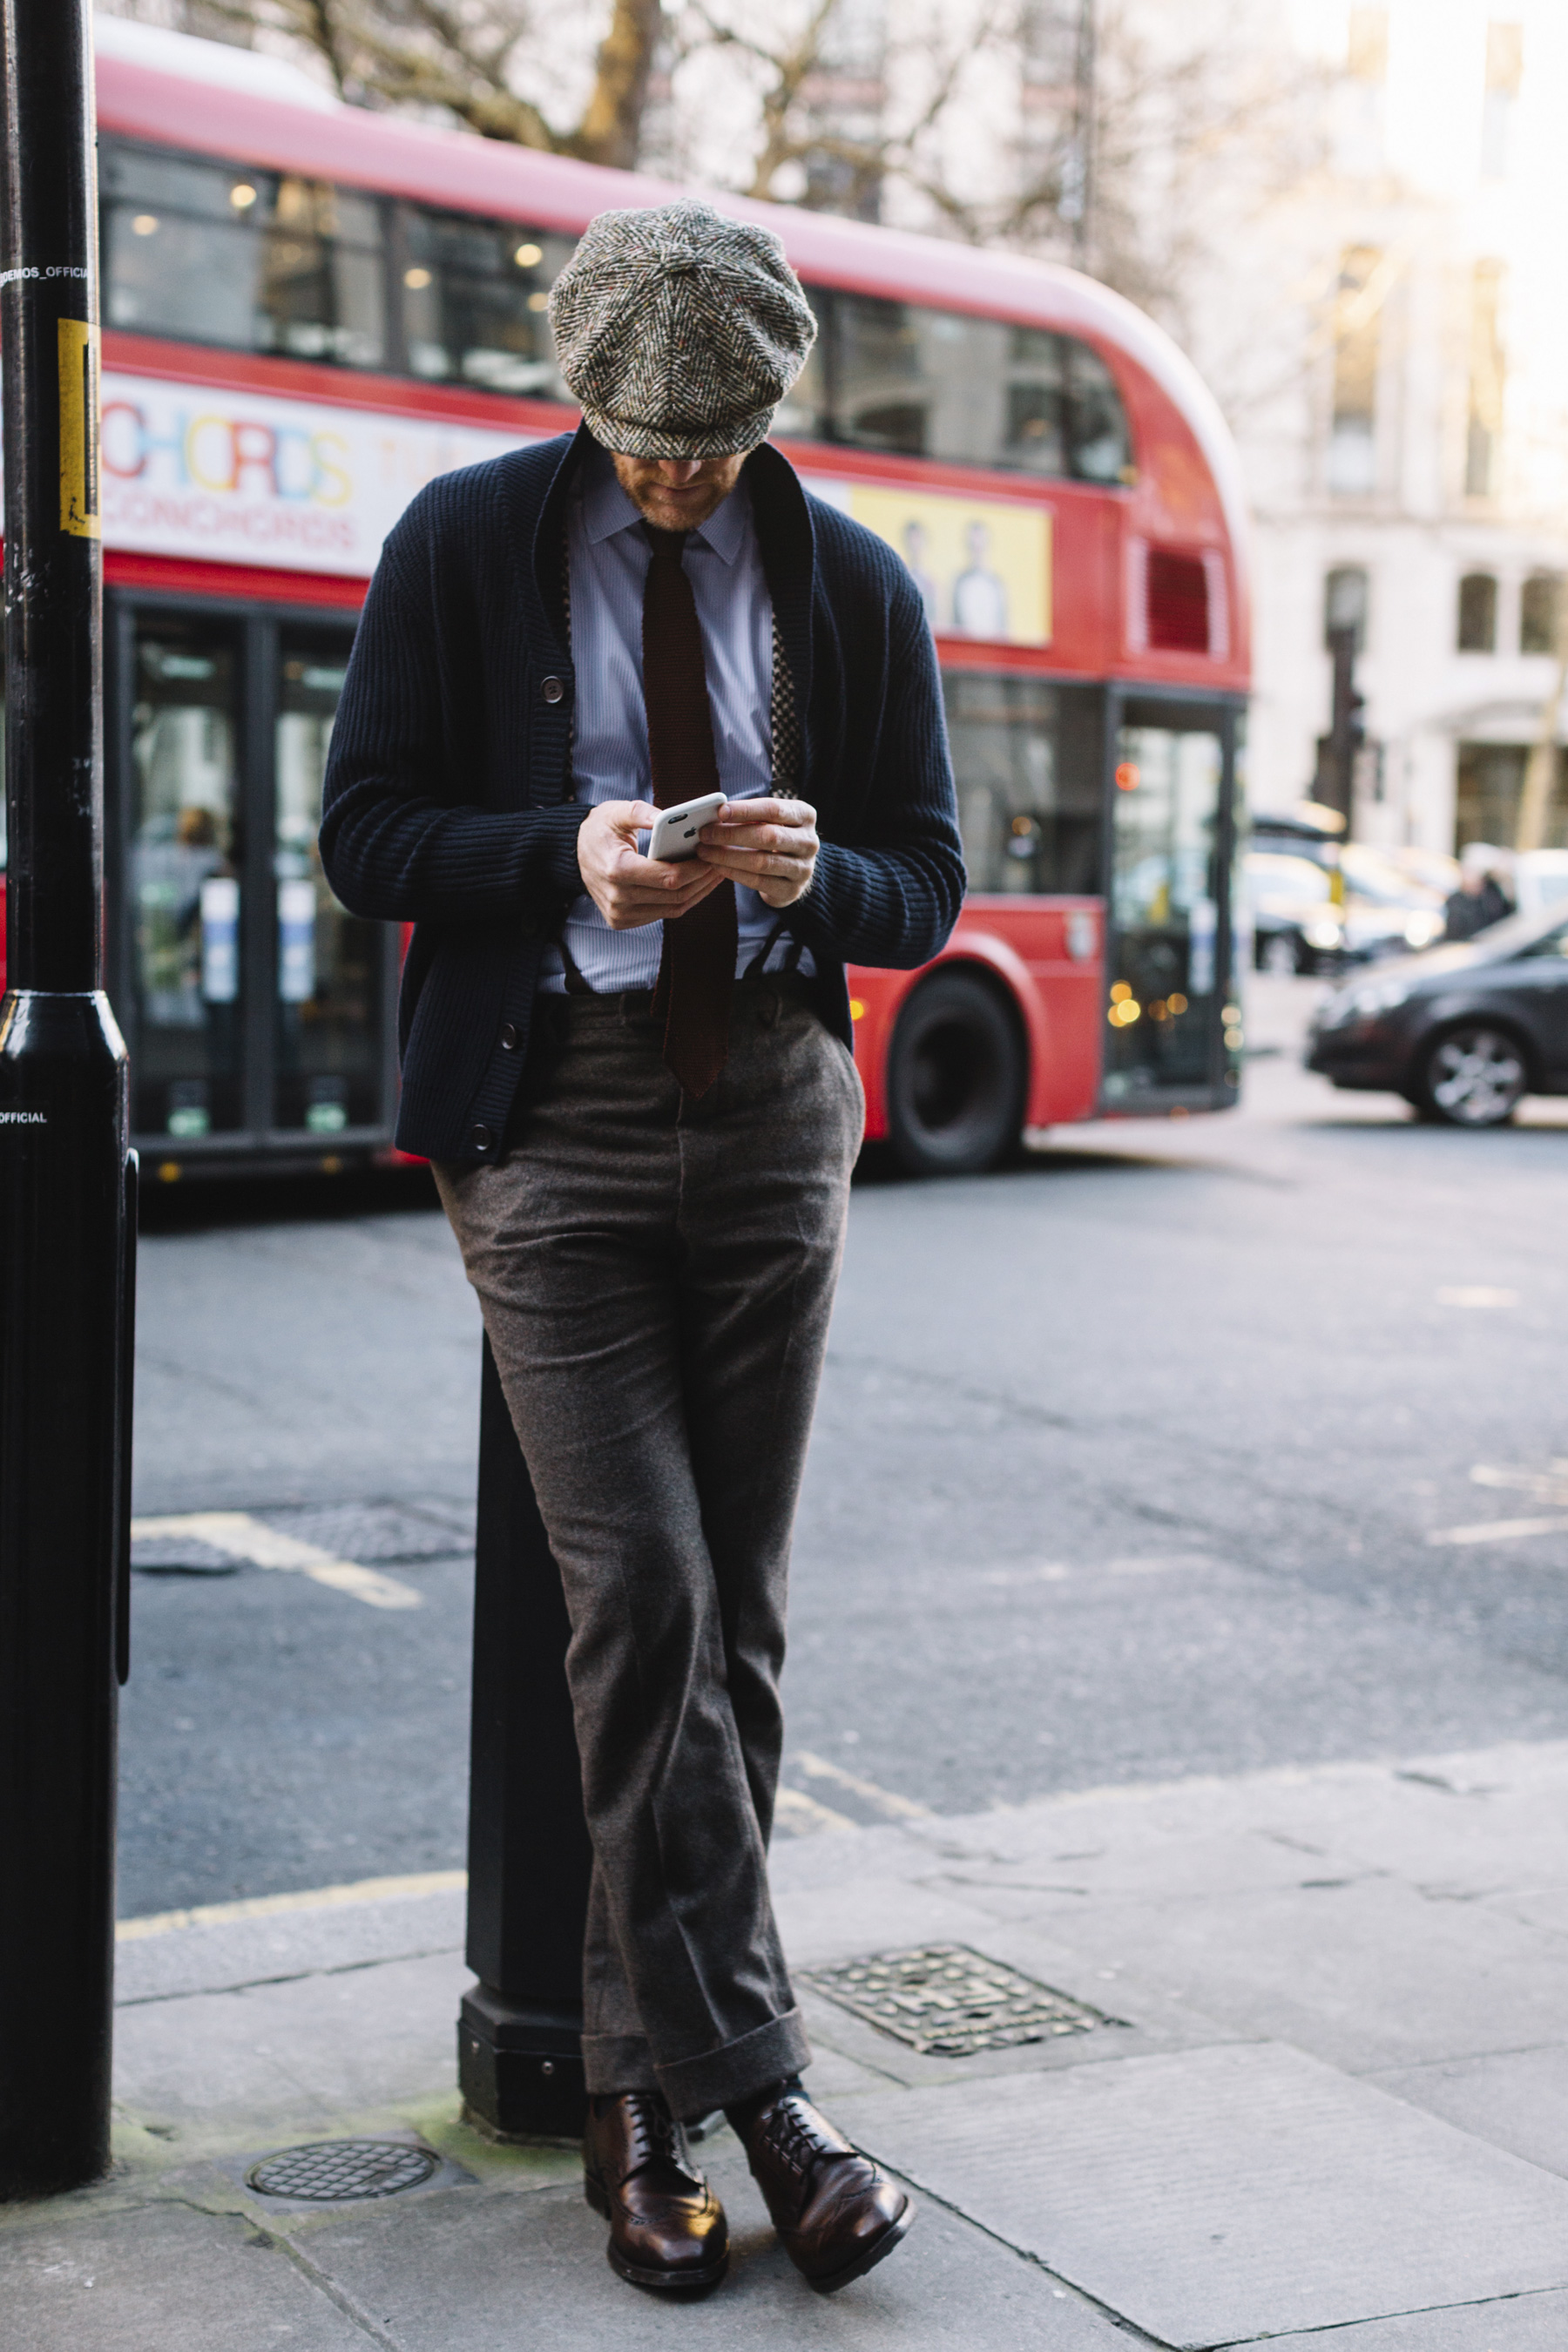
(617, 2062)
(722, 2078)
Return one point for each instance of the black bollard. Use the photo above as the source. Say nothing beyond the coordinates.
(520, 2060)
(66, 1248)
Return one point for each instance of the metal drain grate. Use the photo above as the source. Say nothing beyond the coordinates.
(947, 2002)
(375, 1533)
(333, 2171)
(180, 1556)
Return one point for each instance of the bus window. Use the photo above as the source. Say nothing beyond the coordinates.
(1099, 444)
(1037, 427)
(1026, 760)
(218, 253)
(1163, 905)
(178, 259)
(925, 384)
(879, 388)
(331, 966)
(939, 383)
(475, 294)
(324, 277)
(185, 880)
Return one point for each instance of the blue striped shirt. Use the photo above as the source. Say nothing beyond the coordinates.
(609, 555)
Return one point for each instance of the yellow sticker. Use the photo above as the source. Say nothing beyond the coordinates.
(78, 428)
(982, 567)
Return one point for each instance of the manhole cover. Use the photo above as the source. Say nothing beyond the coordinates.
(948, 2001)
(374, 1533)
(335, 2170)
(180, 1556)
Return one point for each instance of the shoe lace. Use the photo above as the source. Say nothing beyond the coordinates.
(793, 2127)
(653, 2136)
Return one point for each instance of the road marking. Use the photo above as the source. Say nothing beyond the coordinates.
(898, 1808)
(268, 1906)
(1054, 1571)
(1475, 1294)
(245, 1537)
(1498, 1532)
(1050, 1572)
(803, 1815)
(1542, 1486)
(1157, 1563)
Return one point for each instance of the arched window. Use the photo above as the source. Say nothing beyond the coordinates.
(1478, 614)
(1538, 607)
(1347, 593)
(1358, 322)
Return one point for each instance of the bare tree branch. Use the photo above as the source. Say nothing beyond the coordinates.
(763, 93)
(798, 74)
(461, 55)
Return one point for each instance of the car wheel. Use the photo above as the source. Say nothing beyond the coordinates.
(1473, 1076)
(955, 1078)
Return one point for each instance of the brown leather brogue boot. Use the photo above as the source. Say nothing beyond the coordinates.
(837, 2214)
(666, 2227)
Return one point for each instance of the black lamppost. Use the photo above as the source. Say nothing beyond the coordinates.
(518, 2057)
(1347, 729)
(66, 1237)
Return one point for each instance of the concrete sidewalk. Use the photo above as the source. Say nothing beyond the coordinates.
(1327, 2104)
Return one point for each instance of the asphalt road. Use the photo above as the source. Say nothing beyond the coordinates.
(1129, 1464)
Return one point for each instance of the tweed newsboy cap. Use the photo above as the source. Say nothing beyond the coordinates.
(679, 330)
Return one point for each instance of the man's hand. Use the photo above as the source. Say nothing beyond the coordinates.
(772, 845)
(627, 888)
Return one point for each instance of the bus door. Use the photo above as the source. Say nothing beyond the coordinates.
(257, 1009)
(1173, 1034)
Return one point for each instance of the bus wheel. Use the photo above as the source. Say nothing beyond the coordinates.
(955, 1078)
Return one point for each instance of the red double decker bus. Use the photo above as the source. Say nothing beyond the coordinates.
(311, 311)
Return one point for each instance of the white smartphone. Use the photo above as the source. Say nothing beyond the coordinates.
(674, 836)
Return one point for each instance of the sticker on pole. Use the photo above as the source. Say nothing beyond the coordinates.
(78, 429)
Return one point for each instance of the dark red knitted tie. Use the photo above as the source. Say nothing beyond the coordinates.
(697, 969)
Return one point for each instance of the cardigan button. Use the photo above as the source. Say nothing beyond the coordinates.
(479, 1139)
(509, 1035)
(553, 689)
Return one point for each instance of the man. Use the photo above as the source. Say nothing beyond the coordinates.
(916, 551)
(979, 593)
(1479, 901)
(636, 1081)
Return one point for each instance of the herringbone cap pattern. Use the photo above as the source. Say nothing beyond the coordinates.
(679, 330)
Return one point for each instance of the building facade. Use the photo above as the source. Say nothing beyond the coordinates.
(1410, 475)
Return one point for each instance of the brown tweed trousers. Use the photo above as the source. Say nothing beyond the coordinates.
(656, 1276)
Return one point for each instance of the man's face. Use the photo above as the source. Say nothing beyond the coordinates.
(678, 493)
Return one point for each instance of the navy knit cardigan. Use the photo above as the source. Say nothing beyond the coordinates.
(448, 791)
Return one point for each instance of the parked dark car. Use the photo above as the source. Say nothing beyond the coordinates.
(1462, 1031)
